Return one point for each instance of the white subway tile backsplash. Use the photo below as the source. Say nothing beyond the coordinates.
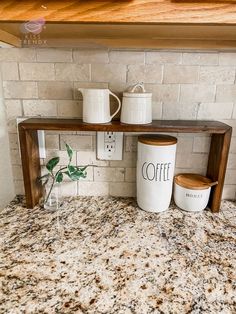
(63, 157)
(77, 142)
(234, 112)
(227, 58)
(230, 177)
(69, 108)
(17, 89)
(130, 174)
(18, 54)
(184, 144)
(164, 92)
(90, 56)
(156, 110)
(17, 172)
(37, 71)
(10, 71)
(232, 162)
(89, 158)
(178, 111)
(13, 141)
(69, 188)
(229, 192)
(15, 157)
(19, 187)
(216, 75)
(13, 108)
(125, 57)
(55, 90)
(180, 74)
(185, 85)
(44, 108)
(124, 189)
(194, 160)
(201, 144)
(163, 57)
(109, 72)
(144, 73)
(129, 160)
(72, 72)
(214, 111)
(200, 58)
(225, 93)
(54, 55)
(197, 93)
(109, 174)
(52, 141)
(93, 188)
(131, 143)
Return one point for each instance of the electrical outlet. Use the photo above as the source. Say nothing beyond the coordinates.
(41, 139)
(109, 145)
(110, 136)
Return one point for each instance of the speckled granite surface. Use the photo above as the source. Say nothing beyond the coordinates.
(104, 255)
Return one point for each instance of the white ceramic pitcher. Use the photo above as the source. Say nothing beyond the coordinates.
(96, 105)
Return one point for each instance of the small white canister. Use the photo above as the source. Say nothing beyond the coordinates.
(136, 106)
(155, 171)
(192, 191)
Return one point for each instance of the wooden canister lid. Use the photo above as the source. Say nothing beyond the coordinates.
(157, 139)
(193, 181)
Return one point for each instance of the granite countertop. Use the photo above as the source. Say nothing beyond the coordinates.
(104, 255)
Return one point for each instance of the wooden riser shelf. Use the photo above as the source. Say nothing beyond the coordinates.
(217, 160)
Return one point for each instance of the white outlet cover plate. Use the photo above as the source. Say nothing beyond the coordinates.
(115, 153)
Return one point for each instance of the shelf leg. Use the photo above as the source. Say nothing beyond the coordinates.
(30, 165)
(217, 163)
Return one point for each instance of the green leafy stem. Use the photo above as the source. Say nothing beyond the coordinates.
(73, 172)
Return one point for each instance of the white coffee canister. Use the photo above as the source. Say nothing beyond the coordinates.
(192, 191)
(155, 171)
(136, 106)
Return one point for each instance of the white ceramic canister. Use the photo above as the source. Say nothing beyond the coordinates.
(192, 191)
(155, 171)
(136, 106)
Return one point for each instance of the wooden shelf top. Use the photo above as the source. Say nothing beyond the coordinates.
(134, 24)
(124, 11)
(171, 126)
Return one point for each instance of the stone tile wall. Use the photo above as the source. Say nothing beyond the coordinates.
(185, 85)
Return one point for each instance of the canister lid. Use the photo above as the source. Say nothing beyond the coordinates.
(137, 95)
(141, 94)
(157, 139)
(193, 181)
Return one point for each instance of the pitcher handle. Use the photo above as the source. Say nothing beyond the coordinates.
(119, 104)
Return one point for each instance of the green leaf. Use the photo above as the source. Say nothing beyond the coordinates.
(59, 177)
(69, 151)
(52, 163)
(72, 169)
(75, 175)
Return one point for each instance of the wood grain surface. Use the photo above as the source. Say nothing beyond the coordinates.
(184, 126)
(124, 11)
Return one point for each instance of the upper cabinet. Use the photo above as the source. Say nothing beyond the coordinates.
(203, 24)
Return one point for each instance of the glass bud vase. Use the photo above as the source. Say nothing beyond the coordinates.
(52, 196)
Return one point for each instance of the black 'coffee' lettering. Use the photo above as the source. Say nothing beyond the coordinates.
(158, 172)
